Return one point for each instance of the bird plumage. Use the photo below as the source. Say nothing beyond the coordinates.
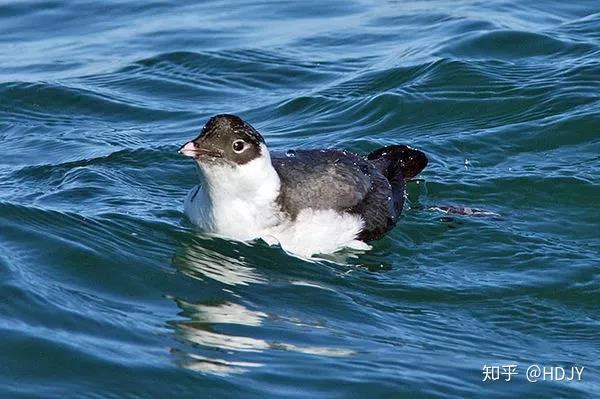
(308, 201)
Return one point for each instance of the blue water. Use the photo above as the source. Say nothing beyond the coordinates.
(108, 292)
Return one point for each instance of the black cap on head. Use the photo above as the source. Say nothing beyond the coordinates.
(225, 138)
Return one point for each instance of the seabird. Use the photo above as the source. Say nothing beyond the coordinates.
(308, 201)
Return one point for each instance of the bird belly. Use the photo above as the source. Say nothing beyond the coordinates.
(317, 232)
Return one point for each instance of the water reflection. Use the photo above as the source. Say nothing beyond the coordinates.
(197, 260)
(221, 367)
(225, 312)
(200, 328)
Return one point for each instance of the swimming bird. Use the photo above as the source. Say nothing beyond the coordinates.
(308, 201)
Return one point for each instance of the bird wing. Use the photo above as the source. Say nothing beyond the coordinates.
(322, 179)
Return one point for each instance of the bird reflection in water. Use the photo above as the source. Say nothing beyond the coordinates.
(201, 329)
(198, 260)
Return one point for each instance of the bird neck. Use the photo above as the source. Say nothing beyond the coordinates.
(255, 181)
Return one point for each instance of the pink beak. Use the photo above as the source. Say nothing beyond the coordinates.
(188, 149)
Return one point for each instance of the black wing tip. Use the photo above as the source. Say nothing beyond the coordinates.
(399, 158)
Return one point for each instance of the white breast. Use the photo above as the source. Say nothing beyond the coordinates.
(198, 208)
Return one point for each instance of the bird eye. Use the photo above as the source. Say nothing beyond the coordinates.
(239, 146)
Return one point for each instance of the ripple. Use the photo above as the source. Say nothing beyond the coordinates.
(508, 45)
(66, 105)
(190, 78)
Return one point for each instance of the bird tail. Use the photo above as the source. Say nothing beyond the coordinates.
(398, 162)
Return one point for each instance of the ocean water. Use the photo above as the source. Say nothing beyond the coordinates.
(108, 292)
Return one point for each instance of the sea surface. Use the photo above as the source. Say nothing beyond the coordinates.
(107, 291)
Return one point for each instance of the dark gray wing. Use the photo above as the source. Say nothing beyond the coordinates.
(338, 180)
(321, 179)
